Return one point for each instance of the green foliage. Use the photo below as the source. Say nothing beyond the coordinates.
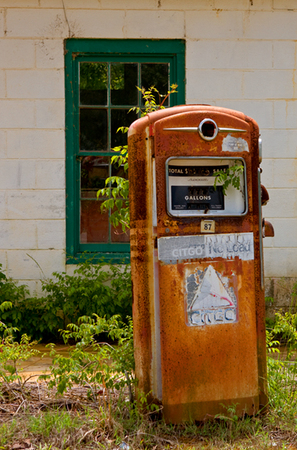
(9, 290)
(93, 288)
(11, 354)
(95, 363)
(117, 188)
(3, 307)
(58, 422)
(282, 367)
(229, 176)
(10, 293)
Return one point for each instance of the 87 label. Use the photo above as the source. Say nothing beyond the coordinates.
(207, 226)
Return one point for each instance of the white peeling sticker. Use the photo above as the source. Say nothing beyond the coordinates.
(233, 144)
(179, 248)
(210, 300)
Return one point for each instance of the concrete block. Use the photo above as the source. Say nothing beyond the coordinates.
(17, 54)
(3, 260)
(276, 25)
(33, 287)
(285, 113)
(18, 234)
(214, 84)
(77, 4)
(2, 31)
(19, 3)
(191, 5)
(285, 4)
(36, 23)
(291, 115)
(280, 262)
(17, 174)
(279, 143)
(267, 241)
(261, 112)
(97, 24)
(50, 174)
(231, 54)
(257, 5)
(267, 175)
(268, 84)
(114, 4)
(21, 264)
(35, 83)
(281, 291)
(280, 113)
(3, 144)
(17, 114)
(157, 24)
(3, 207)
(35, 144)
(285, 232)
(51, 234)
(50, 54)
(214, 24)
(49, 204)
(282, 203)
(50, 114)
(284, 54)
(50, 4)
(70, 268)
(285, 173)
(2, 84)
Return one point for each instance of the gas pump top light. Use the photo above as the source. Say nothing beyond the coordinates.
(208, 129)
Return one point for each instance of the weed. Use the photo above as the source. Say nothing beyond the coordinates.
(97, 364)
(93, 288)
(11, 354)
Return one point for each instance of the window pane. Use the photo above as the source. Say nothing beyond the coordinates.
(94, 171)
(117, 234)
(120, 118)
(123, 84)
(93, 83)
(94, 225)
(93, 129)
(155, 75)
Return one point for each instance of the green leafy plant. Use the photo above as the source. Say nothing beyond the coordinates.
(117, 188)
(282, 366)
(10, 293)
(12, 353)
(93, 288)
(4, 307)
(97, 364)
(229, 176)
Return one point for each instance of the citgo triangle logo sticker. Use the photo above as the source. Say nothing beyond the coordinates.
(209, 300)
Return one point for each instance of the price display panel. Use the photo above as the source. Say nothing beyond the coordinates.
(193, 188)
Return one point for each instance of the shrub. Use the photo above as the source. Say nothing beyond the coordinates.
(93, 288)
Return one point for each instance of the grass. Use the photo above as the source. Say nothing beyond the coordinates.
(96, 412)
(37, 418)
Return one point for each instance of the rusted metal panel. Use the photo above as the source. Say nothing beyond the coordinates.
(199, 313)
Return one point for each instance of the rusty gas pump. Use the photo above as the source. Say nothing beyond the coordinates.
(197, 261)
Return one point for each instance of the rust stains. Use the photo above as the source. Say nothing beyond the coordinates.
(205, 314)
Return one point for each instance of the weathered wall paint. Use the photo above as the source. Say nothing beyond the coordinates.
(238, 55)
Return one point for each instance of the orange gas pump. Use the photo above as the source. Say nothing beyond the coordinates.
(197, 261)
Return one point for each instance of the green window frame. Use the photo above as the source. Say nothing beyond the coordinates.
(143, 51)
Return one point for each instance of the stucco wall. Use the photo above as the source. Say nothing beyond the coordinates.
(239, 54)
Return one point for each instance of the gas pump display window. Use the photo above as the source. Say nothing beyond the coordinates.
(192, 191)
